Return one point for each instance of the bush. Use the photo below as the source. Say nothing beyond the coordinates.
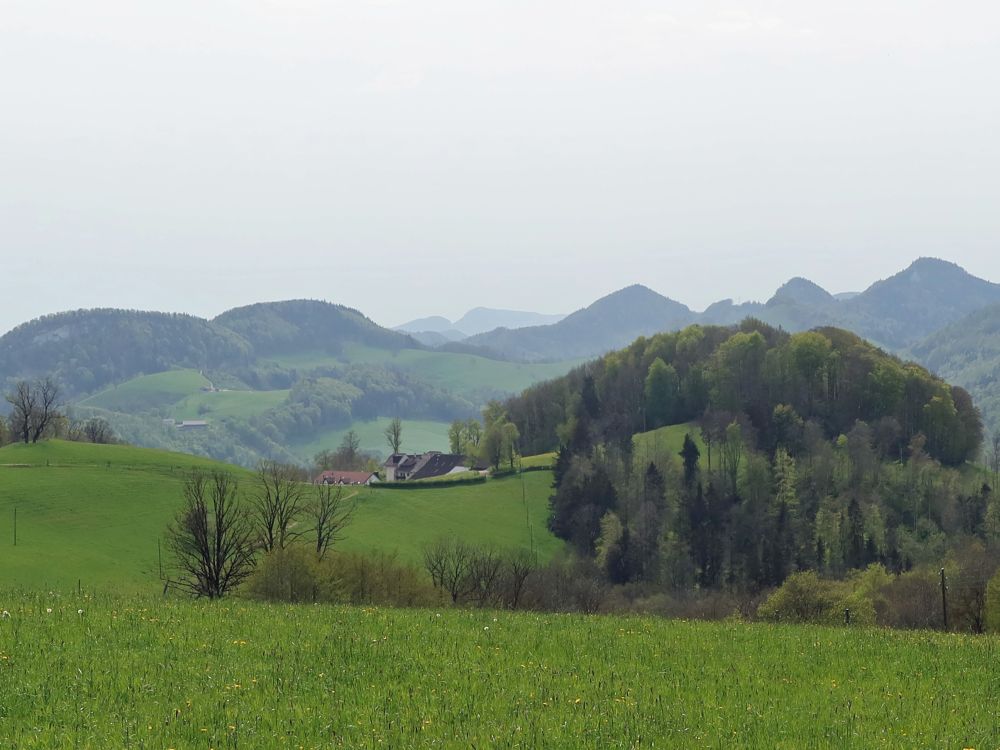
(912, 600)
(805, 598)
(295, 575)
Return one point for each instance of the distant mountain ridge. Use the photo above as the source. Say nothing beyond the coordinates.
(609, 322)
(475, 321)
(933, 310)
(894, 313)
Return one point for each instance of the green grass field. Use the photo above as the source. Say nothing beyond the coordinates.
(180, 393)
(458, 373)
(144, 673)
(418, 436)
(668, 439)
(215, 404)
(95, 513)
(149, 391)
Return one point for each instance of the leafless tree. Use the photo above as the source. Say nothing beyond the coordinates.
(448, 561)
(46, 409)
(394, 434)
(35, 407)
(212, 538)
(518, 567)
(329, 513)
(277, 503)
(485, 575)
(97, 430)
(23, 401)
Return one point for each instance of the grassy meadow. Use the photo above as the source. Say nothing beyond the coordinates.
(418, 436)
(142, 672)
(457, 373)
(180, 394)
(669, 439)
(94, 513)
(149, 391)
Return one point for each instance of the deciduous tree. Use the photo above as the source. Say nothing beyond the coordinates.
(212, 539)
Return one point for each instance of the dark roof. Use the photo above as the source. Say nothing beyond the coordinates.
(436, 465)
(424, 465)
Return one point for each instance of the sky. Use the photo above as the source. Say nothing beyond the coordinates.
(417, 157)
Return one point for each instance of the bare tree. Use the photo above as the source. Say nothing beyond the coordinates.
(329, 512)
(394, 434)
(448, 561)
(212, 538)
(486, 567)
(23, 402)
(518, 567)
(97, 430)
(35, 408)
(277, 504)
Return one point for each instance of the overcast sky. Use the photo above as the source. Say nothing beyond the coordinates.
(409, 157)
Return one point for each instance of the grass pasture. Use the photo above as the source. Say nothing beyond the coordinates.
(418, 436)
(94, 513)
(149, 391)
(216, 404)
(146, 673)
(468, 374)
(669, 439)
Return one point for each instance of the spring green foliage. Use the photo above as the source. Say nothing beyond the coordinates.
(138, 672)
(817, 452)
(95, 512)
(829, 376)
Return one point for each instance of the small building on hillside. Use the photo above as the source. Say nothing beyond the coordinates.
(346, 478)
(192, 424)
(404, 467)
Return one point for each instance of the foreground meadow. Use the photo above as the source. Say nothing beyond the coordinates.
(77, 671)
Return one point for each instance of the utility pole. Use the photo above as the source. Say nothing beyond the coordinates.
(159, 557)
(944, 600)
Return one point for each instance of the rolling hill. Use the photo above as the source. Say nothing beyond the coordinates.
(270, 378)
(96, 512)
(610, 322)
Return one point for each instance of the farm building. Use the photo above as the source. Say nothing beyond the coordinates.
(402, 467)
(346, 477)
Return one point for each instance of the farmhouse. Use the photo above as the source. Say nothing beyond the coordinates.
(346, 477)
(192, 424)
(401, 467)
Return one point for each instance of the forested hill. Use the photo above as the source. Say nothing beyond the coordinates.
(778, 453)
(86, 350)
(307, 325)
(771, 381)
(968, 353)
(89, 349)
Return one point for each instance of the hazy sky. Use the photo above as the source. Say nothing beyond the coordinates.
(409, 157)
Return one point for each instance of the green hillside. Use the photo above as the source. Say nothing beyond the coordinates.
(216, 404)
(147, 392)
(467, 374)
(418, 436)
(667, 440)
(95, 513)
(182, 394)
